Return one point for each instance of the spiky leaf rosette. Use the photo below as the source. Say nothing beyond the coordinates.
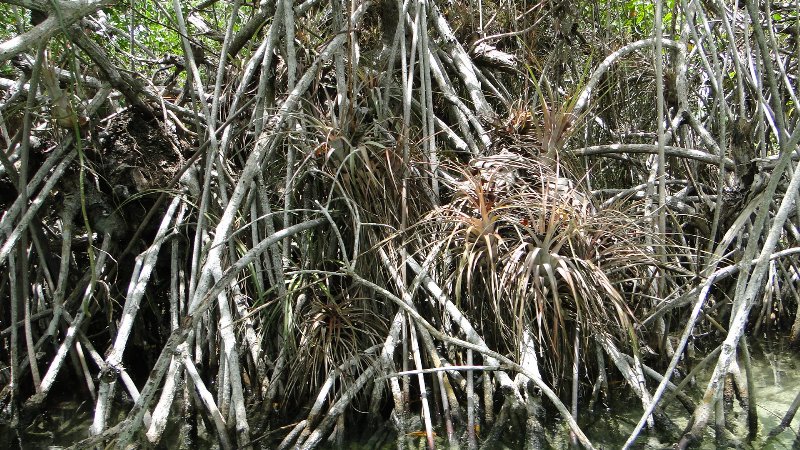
(524, 248)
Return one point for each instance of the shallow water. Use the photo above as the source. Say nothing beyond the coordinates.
(777, 382)
(776, 378)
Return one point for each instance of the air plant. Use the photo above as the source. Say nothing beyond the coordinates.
(332, 329)
(524, 247)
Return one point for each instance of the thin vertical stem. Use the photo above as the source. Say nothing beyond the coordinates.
(471, 442)
(576, 370)
(14, 363)
(662, 180)
(423, 391)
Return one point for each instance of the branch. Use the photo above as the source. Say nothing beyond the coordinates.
(688, 153)
(67, 14)
(597, 75)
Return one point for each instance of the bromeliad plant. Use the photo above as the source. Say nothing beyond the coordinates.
(525, 251)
